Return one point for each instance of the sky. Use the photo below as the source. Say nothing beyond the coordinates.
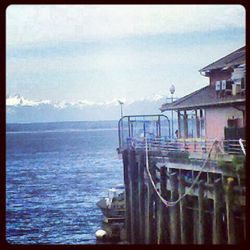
(102, 53)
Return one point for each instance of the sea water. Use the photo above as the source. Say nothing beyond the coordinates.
(55, 174)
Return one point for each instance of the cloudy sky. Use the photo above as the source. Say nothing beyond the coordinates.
(101, 53)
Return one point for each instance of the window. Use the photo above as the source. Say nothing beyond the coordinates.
(202, 123)
(191, 121)
(181, 125)
(194, 122)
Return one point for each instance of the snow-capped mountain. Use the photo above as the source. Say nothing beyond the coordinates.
(18, 100)
(21, 109)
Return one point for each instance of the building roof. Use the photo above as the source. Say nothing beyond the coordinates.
(235, 58)
(201, 98)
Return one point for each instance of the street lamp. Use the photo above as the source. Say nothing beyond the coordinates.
(172, 90)
(121, 103)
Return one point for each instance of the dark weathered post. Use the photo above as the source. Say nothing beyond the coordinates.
(141, 191)
(130, 198)
(174, 211)
(217, 217)
(201, 217)
(127, 194)
(153, 203)
(150, 207)
(163, 233)
(156, 219)
(149, 228)
(147, 220)
(229, 208)
(183, 212)
(244, 223)
(195, 219)
(134, 197)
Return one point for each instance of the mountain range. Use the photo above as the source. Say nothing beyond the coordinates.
(22, 110)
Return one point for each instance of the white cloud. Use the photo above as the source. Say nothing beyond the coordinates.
(121, 59)
(56, 23)
(154, 70)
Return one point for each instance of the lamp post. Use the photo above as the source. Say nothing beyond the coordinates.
(172, 90)
(121, 103)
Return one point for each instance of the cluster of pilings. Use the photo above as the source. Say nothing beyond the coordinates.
(213, 213)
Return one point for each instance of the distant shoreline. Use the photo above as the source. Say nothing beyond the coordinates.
(27, 123)
(66, 126)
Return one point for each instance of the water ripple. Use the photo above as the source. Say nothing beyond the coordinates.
(53, 181)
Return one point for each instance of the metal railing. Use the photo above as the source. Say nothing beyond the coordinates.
(133, 126)
(228, 147)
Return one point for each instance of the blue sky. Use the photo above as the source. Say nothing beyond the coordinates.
(103, 53)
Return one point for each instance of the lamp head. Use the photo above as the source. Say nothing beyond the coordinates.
(172, 89)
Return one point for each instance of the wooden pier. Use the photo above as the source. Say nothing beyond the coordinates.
(182, 190)
(213, 212)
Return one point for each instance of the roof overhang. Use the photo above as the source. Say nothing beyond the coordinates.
(231, 60)
(212, 104)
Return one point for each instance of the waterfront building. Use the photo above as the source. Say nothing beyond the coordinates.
(217, 110)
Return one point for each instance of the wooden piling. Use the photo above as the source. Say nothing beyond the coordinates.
(195, 219)
(147, 220)
(154, 197)
(149, 234)
(174, 211)
(183, 212)
(133, 166)
(163, 232)
(244, 223)
(201, 214)
(130, 199)
(127, 195)
(156, 213)
(158, 220)
(229, 211)
(141, 191)
(217, 217)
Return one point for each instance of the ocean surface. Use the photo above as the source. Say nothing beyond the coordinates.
(55, 174)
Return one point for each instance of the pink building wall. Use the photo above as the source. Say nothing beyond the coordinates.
(216, 119)
(218, 75)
